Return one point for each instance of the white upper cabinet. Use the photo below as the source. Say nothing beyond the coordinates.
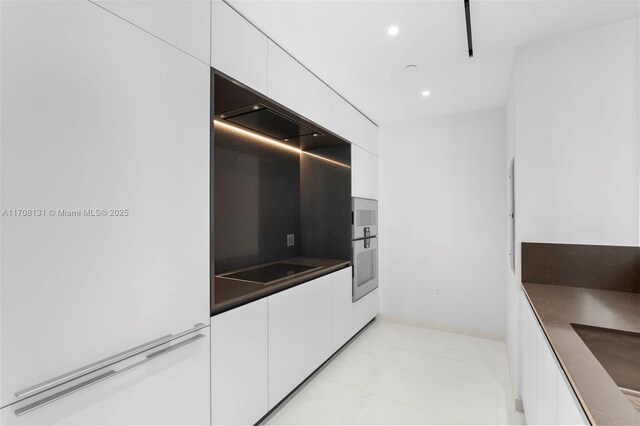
(184, 24)
(347, 122)
(293, 86)
(364, 173)
(97, 115)
(238, 49)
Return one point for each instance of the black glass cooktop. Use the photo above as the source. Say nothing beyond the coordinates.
(270, 273)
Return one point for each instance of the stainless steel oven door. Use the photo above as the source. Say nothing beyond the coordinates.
(365, 266)
(365, 218)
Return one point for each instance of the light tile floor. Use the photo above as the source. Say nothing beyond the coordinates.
(398, 374)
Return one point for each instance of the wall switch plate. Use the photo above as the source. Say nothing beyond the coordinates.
(291, 240)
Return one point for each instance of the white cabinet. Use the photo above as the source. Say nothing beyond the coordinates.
(364, 173)
(293, 86)
(528, 349)
(546, 394)
(97, 114)
(569, 410)
(169, 389)
(547, 374)
(366, 309)
(238, 49)
(239, 365)
(347, 122)
(347, 317)
(343, 327)
(184, 24)
(299, 335)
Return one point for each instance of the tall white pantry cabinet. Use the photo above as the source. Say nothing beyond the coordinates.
(103, 318)
(104, 178)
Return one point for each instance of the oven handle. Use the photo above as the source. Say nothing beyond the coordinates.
(88, 369)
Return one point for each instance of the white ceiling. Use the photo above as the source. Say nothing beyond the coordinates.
(345, 43)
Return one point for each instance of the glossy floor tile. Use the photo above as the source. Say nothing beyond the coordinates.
(398, 374)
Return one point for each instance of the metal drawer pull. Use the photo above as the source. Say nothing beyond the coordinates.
(87, 369)
(61, 394)
(174, 347)
(103, 376)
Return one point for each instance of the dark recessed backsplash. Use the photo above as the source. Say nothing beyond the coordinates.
(614, 268)
(325, 204)
(256, 202)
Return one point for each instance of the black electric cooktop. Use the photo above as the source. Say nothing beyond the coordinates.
(270, 273)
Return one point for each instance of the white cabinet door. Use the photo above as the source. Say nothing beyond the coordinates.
(238, 49)
(343, 323)
(184, 24)
(546, 394)
(299, 335)
(347, 122)
(349, 317)
(169, 389)
(364, 173)
(97, 114)
(569, 410)
(372, 138)
(239, 365)
(293, 86)
(528, 350)
(547, 378)
(366, 309)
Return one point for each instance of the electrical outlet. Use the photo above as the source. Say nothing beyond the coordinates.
(291, 240)
(437, 293)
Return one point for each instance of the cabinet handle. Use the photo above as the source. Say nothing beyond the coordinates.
(44, 401)
(88, 369)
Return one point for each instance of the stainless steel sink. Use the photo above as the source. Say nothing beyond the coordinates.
(618, 352)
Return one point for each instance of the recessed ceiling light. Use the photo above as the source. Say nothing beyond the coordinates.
(393, 30)
(426, 93)
(411, 67)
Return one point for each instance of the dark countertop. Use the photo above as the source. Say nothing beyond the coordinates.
(227, 294)
(557, 307)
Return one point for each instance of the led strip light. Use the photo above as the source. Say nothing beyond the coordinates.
(274, 142)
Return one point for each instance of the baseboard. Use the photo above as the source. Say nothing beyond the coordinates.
(500, 337)
(519, 405)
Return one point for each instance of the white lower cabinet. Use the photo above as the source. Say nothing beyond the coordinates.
(349, 317)
(165, 389)
(343, 327)
(262, 351)
(546, 394)
(299, 335)
(239, 365)
(569, 410)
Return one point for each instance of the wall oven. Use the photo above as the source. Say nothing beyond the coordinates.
(364, 219)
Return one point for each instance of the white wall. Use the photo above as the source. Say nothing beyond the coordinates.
(443, 187)
(572, 122)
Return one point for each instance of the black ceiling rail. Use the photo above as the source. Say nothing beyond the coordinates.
(467, 14)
